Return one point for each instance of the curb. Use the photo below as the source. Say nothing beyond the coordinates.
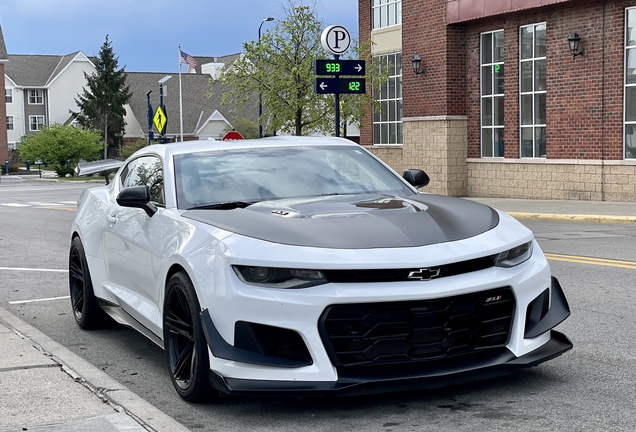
(97, 381)
(574, 218)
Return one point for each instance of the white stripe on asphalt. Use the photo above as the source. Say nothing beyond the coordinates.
(33, 269)
(40, 300)
(15, 205)
(43, 204)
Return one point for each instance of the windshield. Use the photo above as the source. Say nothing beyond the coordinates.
(252, 175)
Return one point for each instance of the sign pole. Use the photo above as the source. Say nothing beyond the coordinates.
(337, 97)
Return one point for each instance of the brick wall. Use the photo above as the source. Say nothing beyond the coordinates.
(364, 29)
(584, 96)
(552, 179)
(4, 143)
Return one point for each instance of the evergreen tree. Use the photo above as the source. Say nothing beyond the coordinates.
(104, 96)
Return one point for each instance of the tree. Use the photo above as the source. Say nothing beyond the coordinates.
(104, 96)
(281, 68)
(245, 127)
(59, 143)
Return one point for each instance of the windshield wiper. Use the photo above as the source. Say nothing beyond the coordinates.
(228, 205)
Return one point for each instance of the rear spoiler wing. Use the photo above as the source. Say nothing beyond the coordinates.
(90, 168)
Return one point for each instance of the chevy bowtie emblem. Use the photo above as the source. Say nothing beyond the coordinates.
(424, 274)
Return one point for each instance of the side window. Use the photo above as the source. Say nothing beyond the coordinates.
(147, 170)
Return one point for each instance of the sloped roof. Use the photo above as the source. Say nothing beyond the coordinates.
(64, 61)
(31, 70)
(197, 107)
(3, 47)
(223, 59)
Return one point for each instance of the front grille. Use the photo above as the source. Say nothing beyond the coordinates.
(396, 275)
(414, 331)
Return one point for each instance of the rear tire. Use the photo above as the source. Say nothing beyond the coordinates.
(184, 342)
(86, 311)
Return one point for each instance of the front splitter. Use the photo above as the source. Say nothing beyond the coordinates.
(503, 364)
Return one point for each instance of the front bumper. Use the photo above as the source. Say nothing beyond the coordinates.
(452, 370)
(450, 374)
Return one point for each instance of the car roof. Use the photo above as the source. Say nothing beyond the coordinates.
(171, 149)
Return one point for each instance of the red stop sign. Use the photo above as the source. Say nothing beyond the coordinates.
(232, 136)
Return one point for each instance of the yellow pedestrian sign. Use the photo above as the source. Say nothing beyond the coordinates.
(160, 120)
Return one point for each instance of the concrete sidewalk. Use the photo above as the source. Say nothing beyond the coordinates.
(562, 210)
(45, 387)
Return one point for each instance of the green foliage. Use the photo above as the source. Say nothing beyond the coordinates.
(245, 127)
(281, 68)
(129, 148)
(58, 144)
(102, 100)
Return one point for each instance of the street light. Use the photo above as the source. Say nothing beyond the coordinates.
(260, 95)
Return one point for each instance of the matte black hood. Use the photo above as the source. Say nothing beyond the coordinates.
(356, 221)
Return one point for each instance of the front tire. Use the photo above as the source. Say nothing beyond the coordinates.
(184, 341)
(86, 311)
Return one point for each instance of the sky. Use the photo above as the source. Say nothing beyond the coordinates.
(145, 33)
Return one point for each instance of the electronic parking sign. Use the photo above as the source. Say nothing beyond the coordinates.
(336, 40)
(339, 86)
(340, 67)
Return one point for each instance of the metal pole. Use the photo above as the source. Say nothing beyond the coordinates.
(180, 98)
(337, 95)
(161, 105)
(149, 118)
(260, 93)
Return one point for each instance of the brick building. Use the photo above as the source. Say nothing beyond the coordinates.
(503, 108)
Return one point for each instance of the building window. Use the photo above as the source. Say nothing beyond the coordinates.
(492, 94)
(630, 83)
(9, 122)
(36, 122)
(36, 97)
(8, 95)
(532, 80)
(386, 13)
(387, 121)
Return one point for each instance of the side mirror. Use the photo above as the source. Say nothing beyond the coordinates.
(416, 177)
(137, 197)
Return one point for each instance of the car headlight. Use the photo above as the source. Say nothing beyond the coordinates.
(283, 278)
(514, 256)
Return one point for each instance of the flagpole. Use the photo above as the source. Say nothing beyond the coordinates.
(180, 97)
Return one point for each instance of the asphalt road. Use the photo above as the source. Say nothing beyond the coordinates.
(589, 388)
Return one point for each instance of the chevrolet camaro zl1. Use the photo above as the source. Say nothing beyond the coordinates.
(295, 265)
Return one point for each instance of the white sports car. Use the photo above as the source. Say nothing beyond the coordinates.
(308, 266)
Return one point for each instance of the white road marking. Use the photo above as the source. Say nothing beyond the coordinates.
(39, 300)
(43, 204)
(69, 202)
(33, 269)
(15, 205)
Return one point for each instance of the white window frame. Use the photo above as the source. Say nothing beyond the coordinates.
(36, 97)
(492, 97)
(533, 60)
(8, 95)
(390, 115)
(10, 123)
(33, 119)
(629, 147)
(385, 13)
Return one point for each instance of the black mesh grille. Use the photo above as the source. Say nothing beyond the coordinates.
(395, 275)
(380, 333)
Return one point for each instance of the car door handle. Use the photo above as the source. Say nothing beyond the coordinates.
(111, 219)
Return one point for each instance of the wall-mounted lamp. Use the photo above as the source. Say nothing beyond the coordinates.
(573, 41)
(416, 62)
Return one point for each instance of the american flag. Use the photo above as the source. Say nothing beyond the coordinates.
(187, 58)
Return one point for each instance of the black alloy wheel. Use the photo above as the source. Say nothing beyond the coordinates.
(86, 311)
(184, 341)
